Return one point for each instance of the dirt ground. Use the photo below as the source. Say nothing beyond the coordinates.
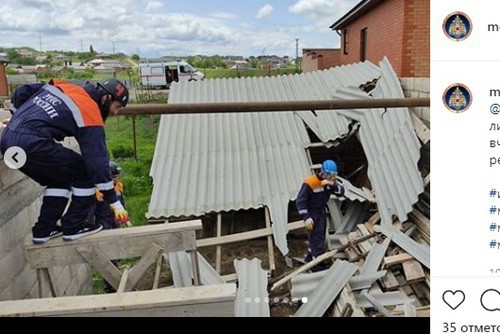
(249, 250)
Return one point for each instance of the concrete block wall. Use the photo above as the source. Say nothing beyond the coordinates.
(20, 201)
(418, 87)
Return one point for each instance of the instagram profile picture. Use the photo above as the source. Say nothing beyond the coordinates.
(457, 26)
(457, 98)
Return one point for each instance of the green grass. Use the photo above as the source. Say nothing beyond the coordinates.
(135, 174)
(229, 73)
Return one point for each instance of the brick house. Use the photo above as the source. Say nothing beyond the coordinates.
(319, 59)
(397, 29)
(4, 88)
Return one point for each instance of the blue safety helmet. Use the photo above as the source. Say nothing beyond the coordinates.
(329, 168)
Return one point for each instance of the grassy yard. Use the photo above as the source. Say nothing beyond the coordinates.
(135, 174)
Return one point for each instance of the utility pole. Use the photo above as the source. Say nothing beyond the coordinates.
(297, 54)
(40, 42)
(81, 45)
(114, 48)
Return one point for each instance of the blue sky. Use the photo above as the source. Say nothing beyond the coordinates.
(172, 27)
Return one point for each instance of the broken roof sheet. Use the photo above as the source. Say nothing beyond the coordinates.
(252, 299)
(222, 162)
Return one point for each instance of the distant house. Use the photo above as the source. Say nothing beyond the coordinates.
(107, 65)
(4, 87)
(397, 29)
(319, 59)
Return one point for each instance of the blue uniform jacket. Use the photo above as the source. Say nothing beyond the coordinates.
(58, 110)
(313, 197)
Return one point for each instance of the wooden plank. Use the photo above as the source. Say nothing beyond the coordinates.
(423, 223)
(231, 278)
(218, 251)
(427, 180)
(390, 282)
(95, 257)
(304, 268)
(159, 262)
(410, 311)
(346, 300)
(195, 266)
(397, 259)
(227, 239)
(372, 221)
(123, 281)
(43, 275)
(270, 244)
(116, 244)
(142, 266)
(413, 271)
(213, 301)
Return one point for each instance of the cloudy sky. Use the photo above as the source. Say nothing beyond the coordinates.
(172, 27)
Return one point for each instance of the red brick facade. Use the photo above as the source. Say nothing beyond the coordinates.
(319, 59)
(397, 29)
(4, 88)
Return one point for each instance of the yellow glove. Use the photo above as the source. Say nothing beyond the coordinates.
(309, 224)
(121, 215)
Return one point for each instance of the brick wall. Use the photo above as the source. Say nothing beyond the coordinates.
(4, 88)
(384, 26)
(416, 50)
(398, 29)
(20, 201)
(319, 59)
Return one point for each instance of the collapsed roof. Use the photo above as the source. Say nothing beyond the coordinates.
(207, 163)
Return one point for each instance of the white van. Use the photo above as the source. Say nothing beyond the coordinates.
(160, 74)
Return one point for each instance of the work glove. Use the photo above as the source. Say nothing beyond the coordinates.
(5, 122)
(309, 222)
(121, 215)
(325, 183)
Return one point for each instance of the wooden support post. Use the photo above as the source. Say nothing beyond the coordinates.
(123, 281)
(159, 262)
(270, 244)
(142, 266)
(218, 251)
(102, 264)
(196, 267)
(44, 275)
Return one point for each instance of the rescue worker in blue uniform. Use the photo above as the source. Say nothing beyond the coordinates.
(46, 113)
(311, 202)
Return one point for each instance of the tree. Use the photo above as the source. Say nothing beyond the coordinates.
(136, 57)
(92, 49)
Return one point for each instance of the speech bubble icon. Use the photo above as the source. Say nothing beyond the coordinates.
(490, 300)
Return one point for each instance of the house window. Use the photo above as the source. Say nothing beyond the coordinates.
(344, 31)
(363, 41)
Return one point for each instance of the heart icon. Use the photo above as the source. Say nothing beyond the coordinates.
(454, 298)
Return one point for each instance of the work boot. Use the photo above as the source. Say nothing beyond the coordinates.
(83, 232)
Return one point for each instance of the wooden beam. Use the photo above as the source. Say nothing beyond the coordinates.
(43, 275)
(142, 266)
(227, 239)
(123, 281)
(304, 268)
(218, 251)
(200, 301)
(115, 244)
(397, 259)
(270, 244)
(413, 271)
(390, 282)
(159, 262)
(96, 257)
(195, 267)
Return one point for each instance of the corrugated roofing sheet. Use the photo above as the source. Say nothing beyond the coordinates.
(222, 162)
(252, 299)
